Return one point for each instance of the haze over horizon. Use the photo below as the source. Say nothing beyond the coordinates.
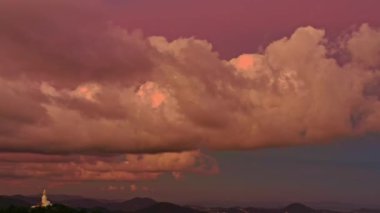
(209, 101)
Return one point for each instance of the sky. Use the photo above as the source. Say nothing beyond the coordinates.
(213, 102)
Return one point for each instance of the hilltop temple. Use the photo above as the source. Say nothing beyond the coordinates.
(44, 201)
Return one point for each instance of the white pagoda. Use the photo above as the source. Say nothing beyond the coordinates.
(44, 201)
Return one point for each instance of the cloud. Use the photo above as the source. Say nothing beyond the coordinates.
(113, 188)
(133, 187)
(130, 167)
(287, 95)
(56, 41)
(364, 46)
(75, 84)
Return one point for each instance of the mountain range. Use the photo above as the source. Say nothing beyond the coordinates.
(77, 204)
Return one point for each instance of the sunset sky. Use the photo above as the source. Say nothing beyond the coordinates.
(195, 101)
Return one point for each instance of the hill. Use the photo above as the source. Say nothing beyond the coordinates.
(164, 207)
(77, 204)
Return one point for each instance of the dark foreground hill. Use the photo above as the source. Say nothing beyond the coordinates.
(56, 208)
(76, 204)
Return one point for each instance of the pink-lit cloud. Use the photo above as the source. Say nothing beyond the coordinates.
(130, 167)
(244, 62)
(133, 187)
(112, 188)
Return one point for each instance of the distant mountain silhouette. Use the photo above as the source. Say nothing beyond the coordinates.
(164, 207)
(292, 208)
(7, 201)
(82, 203)
(29, 199)
(134, 204)
(243, 210)
(254, 210)
(298, 208)
(367, 211)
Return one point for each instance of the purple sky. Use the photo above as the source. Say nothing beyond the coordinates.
(235, 27)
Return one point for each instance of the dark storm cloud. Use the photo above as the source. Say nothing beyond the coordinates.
(69, 42)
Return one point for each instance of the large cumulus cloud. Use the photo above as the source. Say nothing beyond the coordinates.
(73, 82)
